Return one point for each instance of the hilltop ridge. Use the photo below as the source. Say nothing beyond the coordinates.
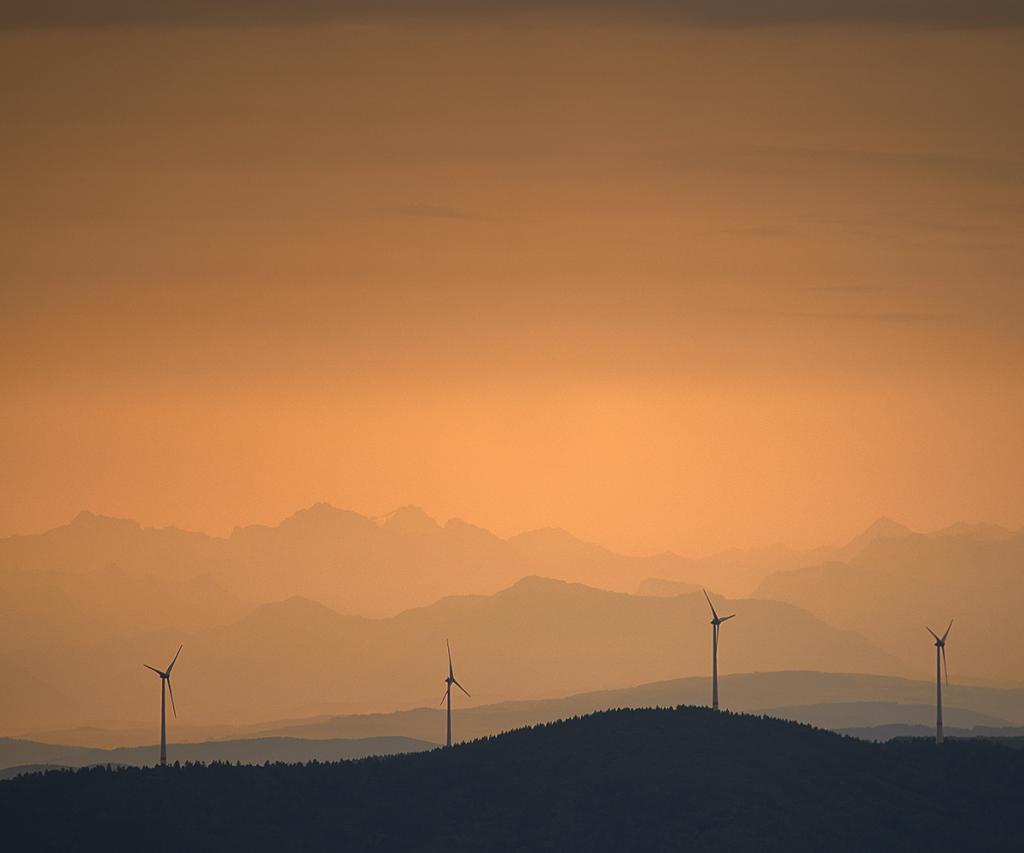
(617, 780)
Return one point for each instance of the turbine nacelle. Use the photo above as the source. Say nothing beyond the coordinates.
(450, 680)
(940, 644)
(716, 619)
(166, 676)
(940, 641)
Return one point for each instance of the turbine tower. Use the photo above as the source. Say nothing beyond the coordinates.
(165, 681)
(450, 680)
(715, 622)
(940, 651)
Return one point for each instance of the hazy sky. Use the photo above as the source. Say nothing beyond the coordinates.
(682, 279)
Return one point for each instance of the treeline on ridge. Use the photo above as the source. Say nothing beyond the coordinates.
(655, 779)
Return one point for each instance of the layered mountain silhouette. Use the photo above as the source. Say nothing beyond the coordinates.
(351, 563)
(539, 638)
(896, 586)
(868, 704)
(826, 700)
(292, 621)
(97, 575)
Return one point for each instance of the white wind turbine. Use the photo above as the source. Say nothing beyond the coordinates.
(165, 680)
(450, 680)
(715, 622)
(940, 651)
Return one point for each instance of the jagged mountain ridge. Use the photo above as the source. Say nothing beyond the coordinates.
(345, 560)
(356, 565)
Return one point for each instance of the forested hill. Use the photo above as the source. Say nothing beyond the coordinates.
(683, 779)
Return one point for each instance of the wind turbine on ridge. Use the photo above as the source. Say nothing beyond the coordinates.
(940, 650)
(450, 680)
(165, 680)
(715, 622)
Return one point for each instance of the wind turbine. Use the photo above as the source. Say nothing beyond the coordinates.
(715, 622)
(940, 650)
(450, 680)
(165, 680)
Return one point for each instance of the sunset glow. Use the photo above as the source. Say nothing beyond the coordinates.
(666, 287)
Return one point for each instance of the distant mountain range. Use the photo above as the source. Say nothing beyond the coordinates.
(100, 576)
(83, 606)
(351, 563)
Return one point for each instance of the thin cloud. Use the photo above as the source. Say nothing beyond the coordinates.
(1011, 208)
(437, 213)
(778, 160)
(953, 227)
(847, 288)
(851, 316)
(764, 231)
(710, 14)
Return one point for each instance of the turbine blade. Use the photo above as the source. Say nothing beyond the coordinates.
(463, 689)
(724, 618)
(157, 671)
(173, 661)
(451, 673)
(446, 692)
(947, 631)
(930, 631)
(709, 603)
(943, 647)
(172, 697)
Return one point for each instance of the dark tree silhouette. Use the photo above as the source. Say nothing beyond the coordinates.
(658, 779)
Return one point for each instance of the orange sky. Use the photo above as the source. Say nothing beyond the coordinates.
(664, 286)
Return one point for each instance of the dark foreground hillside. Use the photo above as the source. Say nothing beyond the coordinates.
(683, 779)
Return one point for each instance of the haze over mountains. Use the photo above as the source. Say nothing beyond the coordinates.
(973, 575)
(353, 564)
(873, 706)
(538, 639)
(332, 612)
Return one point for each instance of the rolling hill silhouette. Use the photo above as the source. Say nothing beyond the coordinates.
(827, 700)
(539, 638)
(688, 778)
(289, 750)
(844, 702)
